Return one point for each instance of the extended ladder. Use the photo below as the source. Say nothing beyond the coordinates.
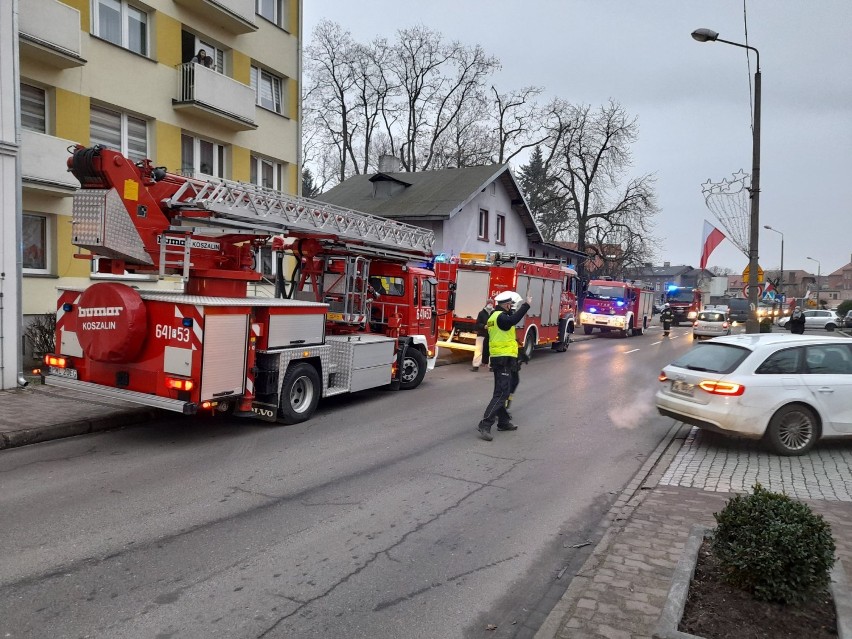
(254, 208)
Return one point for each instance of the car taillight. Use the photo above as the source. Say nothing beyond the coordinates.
(55, 360)
(722, 388)
(695, 324)
(175, 383)
(663, 377)
(724, 325)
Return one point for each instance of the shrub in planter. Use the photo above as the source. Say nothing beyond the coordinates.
(774, 547)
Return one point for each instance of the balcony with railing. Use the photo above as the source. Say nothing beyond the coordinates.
(212, 96)
(43, 165)
(235, 16)
(49, 31)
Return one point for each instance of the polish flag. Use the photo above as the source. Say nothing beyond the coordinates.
(712, 238)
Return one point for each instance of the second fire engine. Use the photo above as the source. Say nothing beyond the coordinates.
(468, 282)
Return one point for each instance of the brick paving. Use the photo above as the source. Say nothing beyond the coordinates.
(621, 590)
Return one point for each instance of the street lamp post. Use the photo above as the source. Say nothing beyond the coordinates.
(819, 273)
(781, 279)
(752, 326)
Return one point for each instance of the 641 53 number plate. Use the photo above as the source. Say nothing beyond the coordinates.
(70, 373)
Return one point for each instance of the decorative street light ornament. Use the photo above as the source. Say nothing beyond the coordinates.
(728, 200)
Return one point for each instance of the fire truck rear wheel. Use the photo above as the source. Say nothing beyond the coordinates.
(413, 369)
(529, 345)
(300, 393)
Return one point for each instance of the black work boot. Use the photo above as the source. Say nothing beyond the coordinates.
(485, 432)
(507, 426)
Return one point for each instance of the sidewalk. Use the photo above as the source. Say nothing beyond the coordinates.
(620, 591)
(40, 413)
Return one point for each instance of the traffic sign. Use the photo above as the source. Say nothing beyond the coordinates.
(747, 270)
(759, 291)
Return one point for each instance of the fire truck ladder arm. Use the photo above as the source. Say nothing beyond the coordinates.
(255, 205)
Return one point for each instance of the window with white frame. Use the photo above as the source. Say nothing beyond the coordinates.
(119, 131)
(217, 54)
(272, 10)
(483, 225)
(267, 173)
(500, 237)
(121, 23)
(36, 243)
(201, 157)
(33, 108)
(267, 88)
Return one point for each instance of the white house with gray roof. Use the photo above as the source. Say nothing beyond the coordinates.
(475, 209)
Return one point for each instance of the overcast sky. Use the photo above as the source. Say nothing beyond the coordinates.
(691, 99)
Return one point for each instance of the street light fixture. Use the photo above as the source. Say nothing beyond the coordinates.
(752, 326)
(819, 272)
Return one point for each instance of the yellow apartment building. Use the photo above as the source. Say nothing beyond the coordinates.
(120, 73)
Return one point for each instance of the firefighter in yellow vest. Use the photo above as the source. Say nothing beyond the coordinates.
(503, 346)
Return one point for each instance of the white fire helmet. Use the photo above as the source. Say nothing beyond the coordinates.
(509, 296)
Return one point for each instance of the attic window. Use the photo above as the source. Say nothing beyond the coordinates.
(492, 189)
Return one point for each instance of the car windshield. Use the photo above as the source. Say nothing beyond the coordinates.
(711, 317)
(713, 358)
(597, 291)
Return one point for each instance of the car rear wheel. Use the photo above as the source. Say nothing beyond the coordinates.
(587, 330)
(793, 430)
(830, 327)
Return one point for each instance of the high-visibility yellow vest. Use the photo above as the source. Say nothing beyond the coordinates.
(500, 343)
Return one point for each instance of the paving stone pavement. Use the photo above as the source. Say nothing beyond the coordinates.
(621, 589)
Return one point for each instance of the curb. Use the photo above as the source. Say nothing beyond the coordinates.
(28, 436)
(620, 512)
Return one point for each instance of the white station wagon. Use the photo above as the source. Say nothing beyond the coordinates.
(789, 389)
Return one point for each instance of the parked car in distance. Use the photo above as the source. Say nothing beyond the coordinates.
(710, 324)
(847, 320)
(738, 309)
(790, 390)
(815, 318)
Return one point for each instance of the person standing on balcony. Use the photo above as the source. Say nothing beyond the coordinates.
(202, 58)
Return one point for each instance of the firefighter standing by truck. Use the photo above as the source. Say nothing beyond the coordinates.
(503, 349)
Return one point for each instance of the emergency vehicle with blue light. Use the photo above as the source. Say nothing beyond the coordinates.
(609, 305)
(685, 302)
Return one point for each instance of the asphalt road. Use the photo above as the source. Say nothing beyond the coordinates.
(383, 516)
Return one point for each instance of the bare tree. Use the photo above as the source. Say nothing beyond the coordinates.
(588, 155)
(517, 116)
(436, 80)
(327, 99)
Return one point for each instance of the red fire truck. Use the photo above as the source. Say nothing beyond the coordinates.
(469, 282)
(616, 306)
(685, 302)
(211, 346)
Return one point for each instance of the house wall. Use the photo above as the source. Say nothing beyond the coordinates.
(460, 232)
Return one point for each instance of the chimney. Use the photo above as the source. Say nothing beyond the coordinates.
(666, 264)
(389, 164)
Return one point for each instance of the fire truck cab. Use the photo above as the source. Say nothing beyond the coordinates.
(685, 303)
(609, 305)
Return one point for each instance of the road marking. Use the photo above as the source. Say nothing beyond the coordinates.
(655, 343)
(633, 351)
